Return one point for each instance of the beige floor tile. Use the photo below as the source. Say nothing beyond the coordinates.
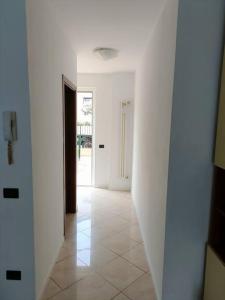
(127, 208)
(130, 217)
(96, 257)
(137, 257)
(96, 219)
(116, 220)
(99, 232)
(84, 224)
(120, 273)
(108, 211)
(141, 289)
(65, 252)
(119, 243)
(75, 226)
(68, 271)
(51, 290)
(78, 241)
(92, 287)
(134, 233)
(117, 227)
(104, 228)
(121, 297)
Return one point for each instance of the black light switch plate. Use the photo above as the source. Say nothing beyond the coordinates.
(11, 193)
(101, 146)
(13, 275)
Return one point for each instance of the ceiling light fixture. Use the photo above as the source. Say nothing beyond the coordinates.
(105, 53)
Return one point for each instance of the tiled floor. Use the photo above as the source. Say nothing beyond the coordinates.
(103, 255)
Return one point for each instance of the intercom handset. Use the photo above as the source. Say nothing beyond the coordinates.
(10, 132)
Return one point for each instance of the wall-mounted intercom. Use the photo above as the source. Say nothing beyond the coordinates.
(10, 132)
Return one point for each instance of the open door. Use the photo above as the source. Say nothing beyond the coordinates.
(69, 145)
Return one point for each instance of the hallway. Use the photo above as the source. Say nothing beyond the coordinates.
(103, 256)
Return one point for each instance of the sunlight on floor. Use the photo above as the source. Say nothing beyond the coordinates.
(103, 256)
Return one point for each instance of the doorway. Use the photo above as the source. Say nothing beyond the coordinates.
(84, 138)
(69, 145)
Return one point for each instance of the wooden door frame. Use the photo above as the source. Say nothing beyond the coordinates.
(67, 83)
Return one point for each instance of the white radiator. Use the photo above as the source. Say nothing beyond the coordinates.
(123, 141)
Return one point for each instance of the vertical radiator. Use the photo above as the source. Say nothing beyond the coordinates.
(123, 141)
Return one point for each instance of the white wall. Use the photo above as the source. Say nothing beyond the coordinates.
(50, 56)
(110, 89)
(153, 105)
(16, 215)
(195, 97)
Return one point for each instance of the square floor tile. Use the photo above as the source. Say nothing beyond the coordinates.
(92, 287)
(141, 289)
(119, 243)
(96, 257)
(121, 297)
(65, 252)
(84, 224)
(116, 227)
(103, 254)
(137, 257)
(79, 241)
(51, 290)
(107, 210)
(134, 233)
(96, 219)
(131, 218)
(116, 220)
(99, 232)
(120, 273)
(68, 271)
(77, 225)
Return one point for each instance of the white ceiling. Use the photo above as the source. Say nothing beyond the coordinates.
(122, 24)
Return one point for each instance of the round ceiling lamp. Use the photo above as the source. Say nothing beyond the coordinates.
(105, 53)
